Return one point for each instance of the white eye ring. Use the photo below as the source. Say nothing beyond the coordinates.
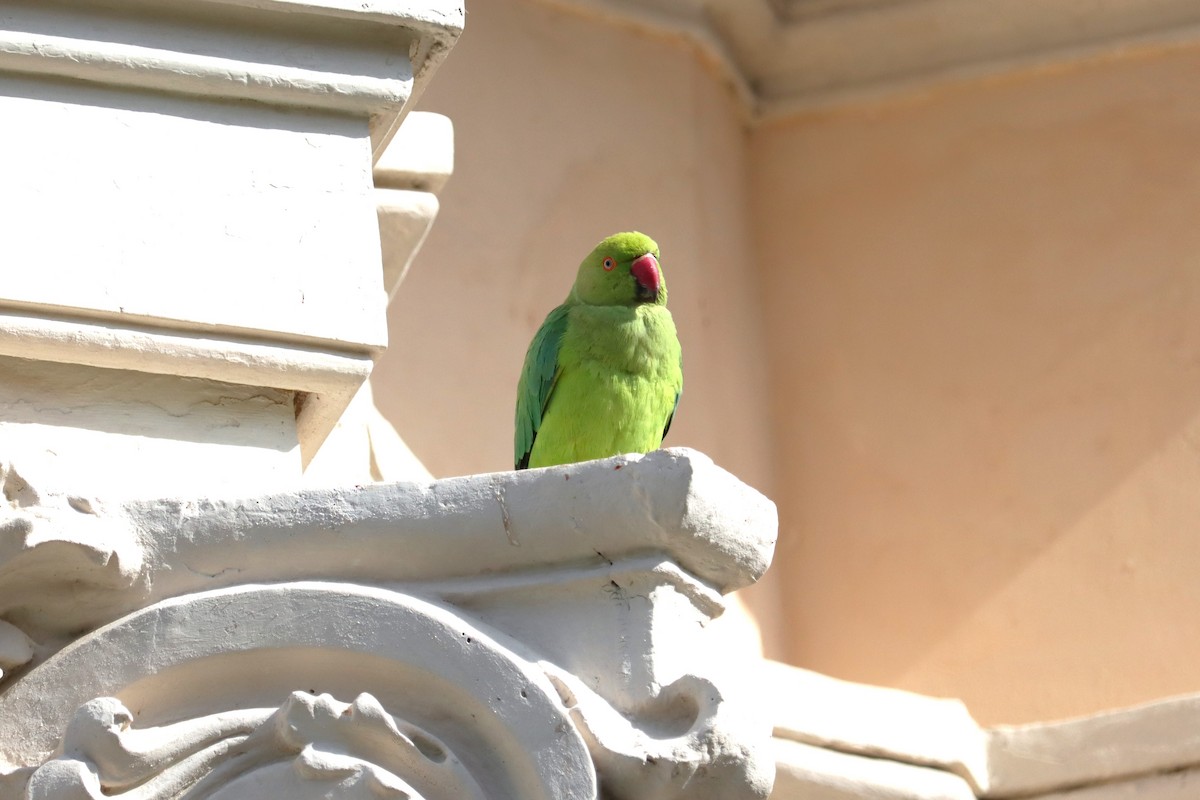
(609, 263)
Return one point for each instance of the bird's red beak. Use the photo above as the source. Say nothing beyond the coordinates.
(645, 271)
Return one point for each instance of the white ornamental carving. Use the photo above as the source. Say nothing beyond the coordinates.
(310, 747)
(546, 630)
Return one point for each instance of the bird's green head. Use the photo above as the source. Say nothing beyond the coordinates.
(623, 270)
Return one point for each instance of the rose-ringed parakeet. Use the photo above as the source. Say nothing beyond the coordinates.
(604, 371)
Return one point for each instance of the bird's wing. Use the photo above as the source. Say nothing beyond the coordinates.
(678, 392)
(538, 377)
(671, 416)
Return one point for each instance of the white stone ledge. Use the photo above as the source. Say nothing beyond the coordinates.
(839, 739)
(591, 586)
(325, 378)
(874, 721)
(164, 70)
(512, 527)
(441, 19)
(1114, 746)
(815, 773)
(361, 58)
(214, 355)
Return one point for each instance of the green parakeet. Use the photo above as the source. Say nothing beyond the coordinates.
(604, 371)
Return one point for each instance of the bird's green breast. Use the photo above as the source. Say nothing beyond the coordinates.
(619, 380)
(639, 340)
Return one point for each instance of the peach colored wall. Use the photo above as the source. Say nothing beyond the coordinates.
(983, 309)
(567, 130)
(979, 402)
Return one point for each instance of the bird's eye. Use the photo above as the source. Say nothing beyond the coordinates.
(609, 263)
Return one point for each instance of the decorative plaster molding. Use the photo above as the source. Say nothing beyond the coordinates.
(787, 56)
(468, 718)
(252, 753)
(558, 617)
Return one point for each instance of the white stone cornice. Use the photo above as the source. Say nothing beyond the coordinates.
(572, 522)
(786, 56)
(243, 50)
(533, 613)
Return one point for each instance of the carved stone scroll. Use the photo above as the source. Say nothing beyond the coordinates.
(460, 694)
(295, 751)
(548, 630)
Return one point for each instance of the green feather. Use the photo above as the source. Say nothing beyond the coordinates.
(603, 374)
(537, 381)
